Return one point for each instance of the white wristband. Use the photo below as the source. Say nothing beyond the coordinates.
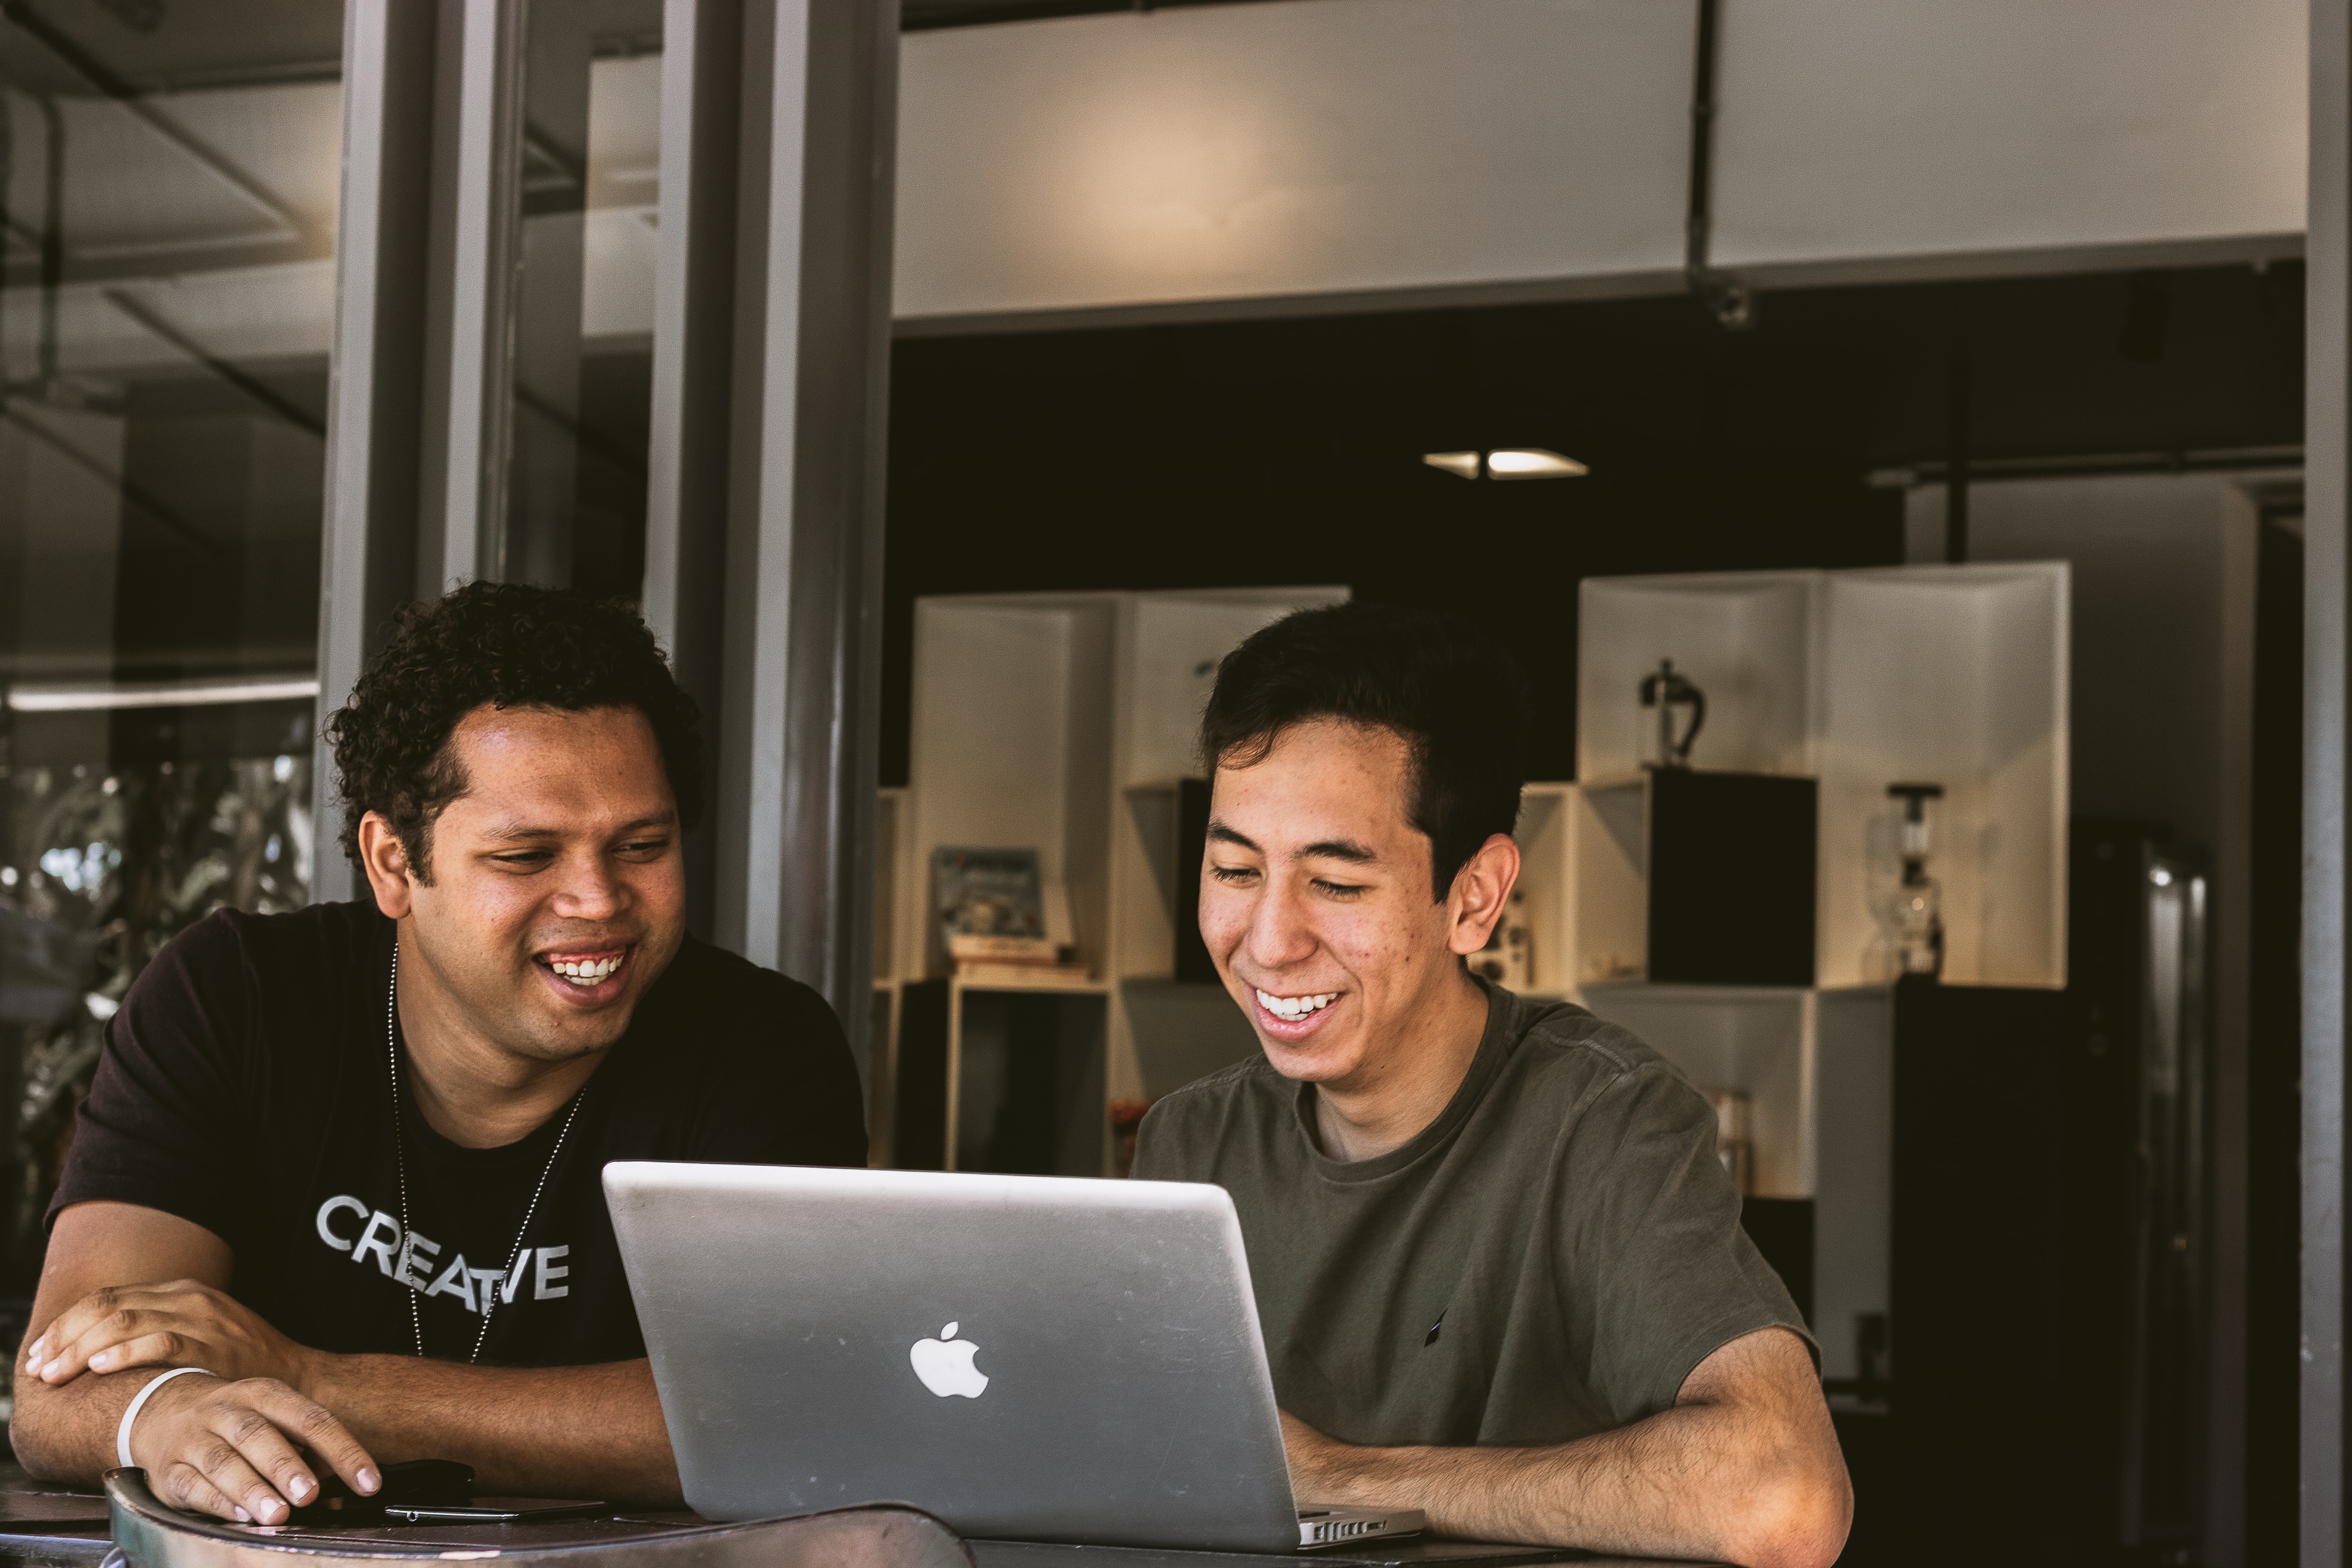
(138, 1403)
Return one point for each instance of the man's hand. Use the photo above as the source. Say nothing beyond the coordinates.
(185, 1323)
(229, 1448)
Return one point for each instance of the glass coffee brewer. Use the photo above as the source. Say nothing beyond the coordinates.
(1910, 911)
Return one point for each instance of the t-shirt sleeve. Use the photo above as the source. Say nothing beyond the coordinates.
(162, 1127)
(1661, 1275)
(794, 1098)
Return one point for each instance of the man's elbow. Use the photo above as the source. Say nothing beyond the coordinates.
(42, 1460)
(1798, 1517)
(38, 1436)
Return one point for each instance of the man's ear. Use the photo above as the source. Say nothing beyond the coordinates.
(1482, 889)
(385, 861)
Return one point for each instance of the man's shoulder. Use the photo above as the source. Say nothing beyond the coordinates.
(1567, 1060)
(1193, 1124)
(1250, 1085)
(724, 1002)
(1565, 1047)
(300, 948)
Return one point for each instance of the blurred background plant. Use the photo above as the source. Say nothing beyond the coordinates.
(99, 869)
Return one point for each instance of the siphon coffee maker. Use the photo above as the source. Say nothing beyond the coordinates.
(1915, 916)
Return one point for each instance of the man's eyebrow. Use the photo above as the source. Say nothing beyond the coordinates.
(1323, 849)
(517, 832)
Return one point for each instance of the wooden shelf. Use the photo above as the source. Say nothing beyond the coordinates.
(1034, 987)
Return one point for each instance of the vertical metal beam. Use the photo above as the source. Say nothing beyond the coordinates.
(800, 701)
(2327, 784)
(694, 367)
(368, 564)
(479, 283)
(547, 220)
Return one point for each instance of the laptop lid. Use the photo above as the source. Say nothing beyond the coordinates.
(1028, 1357)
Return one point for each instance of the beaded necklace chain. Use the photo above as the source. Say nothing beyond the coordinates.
(400, 1166)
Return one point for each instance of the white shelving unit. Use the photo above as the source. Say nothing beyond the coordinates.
(1065, 722)
(1549, 835)
(1950, 675)
(1954, 674)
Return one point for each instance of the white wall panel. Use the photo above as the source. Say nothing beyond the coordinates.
(1302, 147)
(1856, 130)
(1211, 159)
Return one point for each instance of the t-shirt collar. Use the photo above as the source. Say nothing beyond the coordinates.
(1505, 1023)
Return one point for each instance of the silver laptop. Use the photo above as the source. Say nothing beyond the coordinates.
(1031, 1358)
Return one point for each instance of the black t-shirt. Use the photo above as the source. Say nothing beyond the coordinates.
(247, 1086)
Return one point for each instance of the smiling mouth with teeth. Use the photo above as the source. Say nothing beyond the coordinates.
(586, 971)
(1296, 1006)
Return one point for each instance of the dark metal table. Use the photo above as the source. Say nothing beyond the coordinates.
(47, 1526)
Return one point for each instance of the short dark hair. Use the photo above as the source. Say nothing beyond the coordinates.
(510, 646)
(1437, 681)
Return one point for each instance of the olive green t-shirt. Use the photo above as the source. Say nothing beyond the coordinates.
(1548, 1259)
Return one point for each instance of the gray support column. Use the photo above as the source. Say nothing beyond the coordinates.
(480, 139)
(550, 239)
(369, 557)
(2327, 786)
(694, 368)
(772, 593)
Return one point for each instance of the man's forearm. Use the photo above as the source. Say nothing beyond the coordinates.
(1695, 1481)
(67, 1432)
(572, 1431)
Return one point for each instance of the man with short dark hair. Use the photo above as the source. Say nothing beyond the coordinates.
(1498, 1267)
(337, 1185)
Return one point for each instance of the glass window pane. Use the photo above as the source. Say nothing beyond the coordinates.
(171, 169)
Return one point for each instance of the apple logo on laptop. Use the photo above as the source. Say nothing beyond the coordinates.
(945, 1365)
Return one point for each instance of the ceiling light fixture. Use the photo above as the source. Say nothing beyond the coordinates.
(1507, 463)
(1532, 463)
(96, 697)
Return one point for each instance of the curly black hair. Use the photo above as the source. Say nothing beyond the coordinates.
(511, 645)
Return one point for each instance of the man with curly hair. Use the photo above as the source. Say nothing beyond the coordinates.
(335, 1200)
